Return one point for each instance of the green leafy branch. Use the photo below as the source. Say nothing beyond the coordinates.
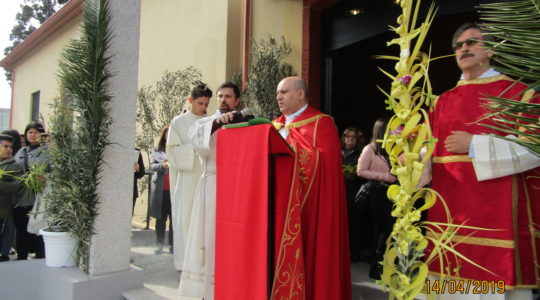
(33, 180)
(514, 26)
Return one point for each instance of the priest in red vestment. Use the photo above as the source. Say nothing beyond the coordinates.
(485, 181)
(312, 252)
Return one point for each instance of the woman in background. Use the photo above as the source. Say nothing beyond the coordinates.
(373, 164)
(33, 153)
(350, 152)
(160, 199)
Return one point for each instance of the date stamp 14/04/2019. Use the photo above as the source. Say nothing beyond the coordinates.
(460, 286)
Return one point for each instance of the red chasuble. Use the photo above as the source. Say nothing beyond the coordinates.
(312, 256)
(509, 205)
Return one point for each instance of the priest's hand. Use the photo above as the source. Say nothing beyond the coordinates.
(458, 142)
(223, 119)
(226, 118)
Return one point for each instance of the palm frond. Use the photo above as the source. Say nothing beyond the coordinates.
(77, 159)
(515, 26)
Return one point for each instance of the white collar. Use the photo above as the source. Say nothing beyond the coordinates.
(189, 112)
(489, 73)
(290, 118)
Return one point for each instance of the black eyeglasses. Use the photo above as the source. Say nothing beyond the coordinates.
(468, 42)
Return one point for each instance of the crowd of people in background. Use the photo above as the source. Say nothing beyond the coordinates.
(19, 153)
(371, 224)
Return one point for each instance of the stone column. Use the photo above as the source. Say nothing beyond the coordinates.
(110, 249)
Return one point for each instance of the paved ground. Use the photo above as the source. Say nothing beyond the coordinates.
(161, 280)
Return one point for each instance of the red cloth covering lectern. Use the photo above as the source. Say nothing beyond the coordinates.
(254, 171)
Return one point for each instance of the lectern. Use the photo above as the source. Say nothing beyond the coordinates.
(254, 171)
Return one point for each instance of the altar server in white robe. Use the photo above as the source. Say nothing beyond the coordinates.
(184, 168)
(197, 279)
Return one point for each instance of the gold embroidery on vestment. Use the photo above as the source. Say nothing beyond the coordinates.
(314, 142)
(291, 232)
(484, 80)
(304, 156)
(277, 125)
(303, 122)
(451, 159)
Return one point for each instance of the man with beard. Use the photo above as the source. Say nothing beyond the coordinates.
(197, 278)
(483, 179)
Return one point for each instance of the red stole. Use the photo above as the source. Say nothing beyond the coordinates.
(504, 204)
(312, 252)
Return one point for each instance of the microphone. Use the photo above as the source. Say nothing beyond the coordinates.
(244, 115)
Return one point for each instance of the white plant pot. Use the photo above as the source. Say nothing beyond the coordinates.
(59, 248)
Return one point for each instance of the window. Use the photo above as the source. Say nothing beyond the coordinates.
(35, 106)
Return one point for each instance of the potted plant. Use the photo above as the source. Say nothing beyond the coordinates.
(60, 243)
(79, 132)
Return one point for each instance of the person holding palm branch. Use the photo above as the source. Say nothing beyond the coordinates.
(484, 179)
